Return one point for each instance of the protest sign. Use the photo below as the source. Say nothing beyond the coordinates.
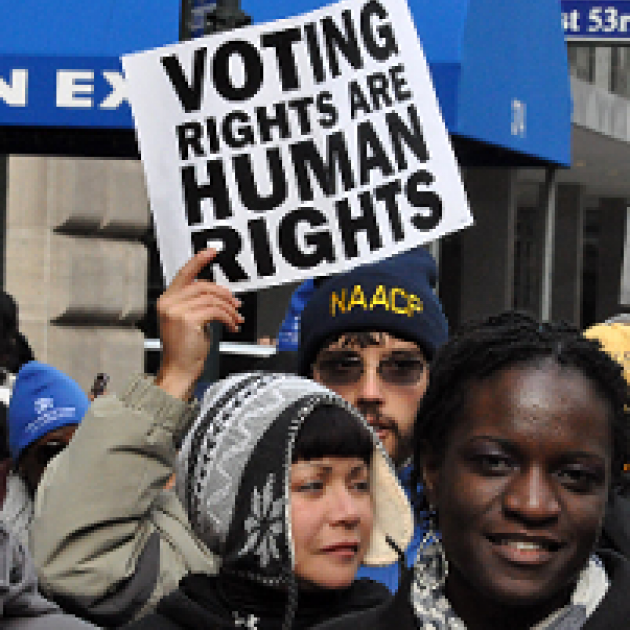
(298, 148)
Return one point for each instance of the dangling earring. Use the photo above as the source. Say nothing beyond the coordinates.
(431, 566)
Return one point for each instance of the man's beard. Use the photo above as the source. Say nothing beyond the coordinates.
(403, 443)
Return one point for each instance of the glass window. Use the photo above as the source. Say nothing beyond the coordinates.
(620, 71)
(582, 61)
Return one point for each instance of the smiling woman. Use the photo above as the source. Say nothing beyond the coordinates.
(521, 490)
(521, 436)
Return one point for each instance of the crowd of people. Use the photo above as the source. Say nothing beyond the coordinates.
(394, 476)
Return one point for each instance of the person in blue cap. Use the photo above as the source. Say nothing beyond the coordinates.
(45, 409)
(369, 334)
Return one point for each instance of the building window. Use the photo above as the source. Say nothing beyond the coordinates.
(590, 266)
(527, 258)
(582, 62)
(620, 71)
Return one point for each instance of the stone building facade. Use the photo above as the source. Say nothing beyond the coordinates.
(74, 262)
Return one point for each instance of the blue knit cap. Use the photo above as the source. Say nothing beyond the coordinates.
(394, 295)
(43, 400)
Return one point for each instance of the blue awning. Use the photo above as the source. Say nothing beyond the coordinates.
(88, 29)
(62, 77)
(499, 68)
(500, 71)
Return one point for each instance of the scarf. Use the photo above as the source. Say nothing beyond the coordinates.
(233, 478)
(436, 613)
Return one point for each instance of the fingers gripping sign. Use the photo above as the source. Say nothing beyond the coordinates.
(187, 305)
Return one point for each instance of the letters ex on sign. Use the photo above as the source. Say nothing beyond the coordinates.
(298, 148)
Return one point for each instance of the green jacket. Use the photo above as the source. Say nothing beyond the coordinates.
(107, 539)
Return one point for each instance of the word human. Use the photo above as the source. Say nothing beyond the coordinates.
(305, 235)
(329, 168)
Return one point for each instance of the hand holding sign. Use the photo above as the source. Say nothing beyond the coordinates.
(183, 310)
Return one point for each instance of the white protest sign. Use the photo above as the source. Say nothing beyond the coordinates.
(298, 148)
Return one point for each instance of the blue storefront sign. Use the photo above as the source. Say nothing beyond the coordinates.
(51, 91)
(60, 61)
(499, 68)
(587, 20)
(61, 83)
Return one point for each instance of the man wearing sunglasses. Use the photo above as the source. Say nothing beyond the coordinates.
(45, 409)
(369, 334)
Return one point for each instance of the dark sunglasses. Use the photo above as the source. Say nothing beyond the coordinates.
(346, 368)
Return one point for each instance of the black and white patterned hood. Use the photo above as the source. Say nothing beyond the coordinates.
(233, 473)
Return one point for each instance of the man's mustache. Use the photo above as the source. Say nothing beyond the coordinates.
(377, 419)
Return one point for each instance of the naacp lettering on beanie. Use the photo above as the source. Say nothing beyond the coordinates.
(43, 400)
(395, 295)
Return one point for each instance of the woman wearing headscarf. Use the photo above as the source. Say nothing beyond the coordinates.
(286, 483)
(521, 437)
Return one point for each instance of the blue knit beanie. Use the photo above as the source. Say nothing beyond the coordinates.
(394, 295)
(43, 400)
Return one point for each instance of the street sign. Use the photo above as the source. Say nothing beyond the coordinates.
(591, 21)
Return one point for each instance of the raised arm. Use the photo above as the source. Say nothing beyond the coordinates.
(183, 310)
(107, 539)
